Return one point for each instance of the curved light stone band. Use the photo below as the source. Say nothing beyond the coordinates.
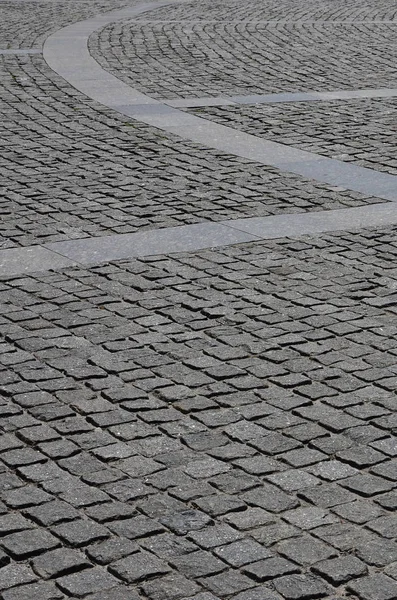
(67, 53)
(283, 97)
(189, 238)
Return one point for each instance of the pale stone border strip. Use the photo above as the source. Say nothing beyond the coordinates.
(282, 97)
(67, 53)
(190, 238)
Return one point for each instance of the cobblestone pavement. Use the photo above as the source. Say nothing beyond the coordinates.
(359, 131)
(209, 425)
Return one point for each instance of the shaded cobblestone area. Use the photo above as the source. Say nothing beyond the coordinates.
(359, 131)
(211, 426)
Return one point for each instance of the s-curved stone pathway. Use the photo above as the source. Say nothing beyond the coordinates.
(66, 52)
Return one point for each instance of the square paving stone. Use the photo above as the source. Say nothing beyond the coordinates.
(219, 504)
(25, 496)
(385, 526)
(340, 570)
(25, 544)
(80, 532)
(269, 569)
(36, 591)
(377, 551)
(374, 587)
(361, 456)
(305, 550)
(52, 513)
(309, 517)
(367, 485)
(242, 552)
(259, 465)
(15, 574)
(227, 583)
(139, 466)
(270, 498)
(171, 587)
(13, 522)
(59, 562)
(301, 587)
(136, 527)
(250, 518)
(303, 457)
(327, 495)
(79, 585)
(360, 511)
(332, 470)
(198, 564)
(111, 550)
(168, 545)
(214, 536)
(139, 566)
(294, 480)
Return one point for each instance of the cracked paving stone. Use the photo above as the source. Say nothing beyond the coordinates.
(185, 521)
(309, 517)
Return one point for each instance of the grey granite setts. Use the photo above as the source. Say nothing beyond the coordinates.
(188, 238)
(67, 53)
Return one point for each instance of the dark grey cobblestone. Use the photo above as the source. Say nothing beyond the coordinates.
(226, 55)
(260, 487)
(209, 426)
(358, 131)
(135, 179)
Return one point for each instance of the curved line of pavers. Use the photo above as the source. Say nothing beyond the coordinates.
(66, 52)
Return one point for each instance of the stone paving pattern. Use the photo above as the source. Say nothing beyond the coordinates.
(359, 131)
(58, 182)
(212, 425)
(217, 424)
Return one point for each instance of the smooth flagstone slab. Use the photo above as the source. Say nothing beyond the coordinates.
(282, 97)
(67, 53)
(189, 238)
(14, 261)
(295, 225)
(186, 238)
